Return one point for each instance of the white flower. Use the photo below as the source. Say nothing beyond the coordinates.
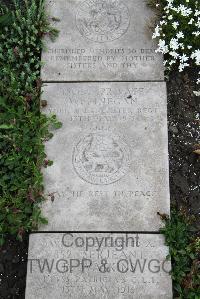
(174, 54)
(197, 13)
(197, 93)
(183, 58)
(198, 81)
(175, 25)
(170, 1)
(182, 66)
(191, 21)
(162, 47)
(169, 4)
(184, 10)
(196, 33)
(180, 34)
(172, 62)
(174, 44)
(156, 32)
(196, 55)
(163, 22)
(177, 47)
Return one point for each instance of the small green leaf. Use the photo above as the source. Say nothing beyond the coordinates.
(6, 127)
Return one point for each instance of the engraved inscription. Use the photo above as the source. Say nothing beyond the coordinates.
(94, 266)
(102, 21)
(106, 177)
(102, 40)
(101, 158)
(93, 58)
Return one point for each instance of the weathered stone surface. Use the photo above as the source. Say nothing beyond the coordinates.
(96, 266)
(101, 41)
(110, 170)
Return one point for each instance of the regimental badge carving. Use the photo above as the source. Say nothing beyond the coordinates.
(101, 158)
(102, 20)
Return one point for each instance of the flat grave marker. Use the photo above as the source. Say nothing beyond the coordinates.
(107, 40)
(110, 170)
(96, 266)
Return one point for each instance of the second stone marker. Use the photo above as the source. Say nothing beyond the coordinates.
(110, 170)
(98, 266)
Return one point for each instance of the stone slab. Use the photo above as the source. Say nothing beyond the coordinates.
(98, 266)
(105, 40)
(110, 170)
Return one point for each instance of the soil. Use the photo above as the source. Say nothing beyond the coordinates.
(184, 137)
(13, 263)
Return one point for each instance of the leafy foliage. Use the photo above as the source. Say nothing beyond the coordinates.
(185, 254)
(177, 29)
(23, 128)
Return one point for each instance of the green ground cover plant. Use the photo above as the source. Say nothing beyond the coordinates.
(23, 128)
(184, 251)
(177, 30)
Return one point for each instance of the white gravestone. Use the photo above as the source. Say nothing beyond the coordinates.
(98, 266)
(110, 170)
(101, 41)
